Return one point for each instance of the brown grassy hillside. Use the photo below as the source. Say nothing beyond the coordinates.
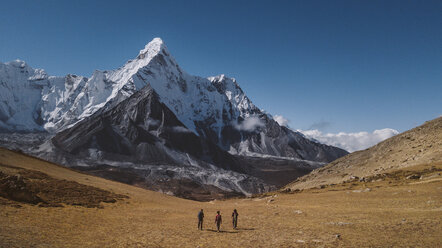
(420, 145)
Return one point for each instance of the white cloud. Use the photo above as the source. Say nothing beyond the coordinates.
(351, 141)
(282, 121)
(249, 124)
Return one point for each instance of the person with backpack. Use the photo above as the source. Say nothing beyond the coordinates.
(218, 220)
(235, 218)
(200, 219)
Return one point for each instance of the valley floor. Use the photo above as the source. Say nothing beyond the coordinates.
(390, 212)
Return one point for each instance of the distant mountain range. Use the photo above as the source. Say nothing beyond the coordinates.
(152, 119)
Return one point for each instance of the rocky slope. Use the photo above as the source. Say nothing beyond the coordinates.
(420, 145)
(140, 128)
(141, 133)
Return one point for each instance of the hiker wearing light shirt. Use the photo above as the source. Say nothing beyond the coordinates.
(235, 218)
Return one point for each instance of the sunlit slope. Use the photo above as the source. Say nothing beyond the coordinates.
(11, 158)
(418, 146)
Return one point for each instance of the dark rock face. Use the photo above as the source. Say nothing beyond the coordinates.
(249, 131)
(269, 139)
(275, 140)
(141, 129)
(153, 149)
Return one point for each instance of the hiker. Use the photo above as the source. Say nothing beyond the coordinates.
(218, 220)
(235, 218)
(200, 219)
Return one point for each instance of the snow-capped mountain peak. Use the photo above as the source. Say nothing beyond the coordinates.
(108, 88)
(65, 102)
(152, 48)
(110, 116)
(215, 108)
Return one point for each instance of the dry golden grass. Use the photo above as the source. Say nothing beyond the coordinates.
(395, 212)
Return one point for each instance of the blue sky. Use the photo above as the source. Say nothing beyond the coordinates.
(330, 65)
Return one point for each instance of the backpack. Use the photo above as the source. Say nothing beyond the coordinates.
(218, 218)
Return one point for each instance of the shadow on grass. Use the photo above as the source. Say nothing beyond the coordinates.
(246, 229)
(221, 231)
(237, 230)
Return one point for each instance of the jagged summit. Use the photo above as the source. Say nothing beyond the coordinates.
(152, 48)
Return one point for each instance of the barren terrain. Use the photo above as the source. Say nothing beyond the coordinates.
(399, 209)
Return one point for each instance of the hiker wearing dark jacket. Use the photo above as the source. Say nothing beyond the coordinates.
(235, 219)
(218, 220)
(200, 219)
